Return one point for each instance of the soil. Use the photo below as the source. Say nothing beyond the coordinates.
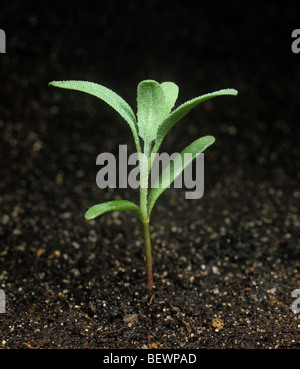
(224, 266)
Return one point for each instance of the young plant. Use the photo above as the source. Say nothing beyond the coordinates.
(155, 118)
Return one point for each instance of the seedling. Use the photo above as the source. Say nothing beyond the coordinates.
(155, 118)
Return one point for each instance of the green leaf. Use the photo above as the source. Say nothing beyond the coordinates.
(183, 109)
(151, 109)
(117, 205)
(171, 93)
(108, 96)
(195, 148)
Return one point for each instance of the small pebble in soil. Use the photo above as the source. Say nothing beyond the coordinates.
(131, 318)
(218, 323)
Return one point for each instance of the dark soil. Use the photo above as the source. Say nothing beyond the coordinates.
(225, 265)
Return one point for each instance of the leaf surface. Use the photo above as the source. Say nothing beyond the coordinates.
(105, 94)
(170, 90)
(116, 205)
(151, 109)
(183, 109)
(195, 148)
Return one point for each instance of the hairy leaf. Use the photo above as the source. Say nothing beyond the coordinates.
(195, 148)
(183, 109)
(108, 96)
(151, 109)
(117, 205)
(171, 93)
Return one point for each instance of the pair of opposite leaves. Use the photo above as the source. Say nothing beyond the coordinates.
(155, 102)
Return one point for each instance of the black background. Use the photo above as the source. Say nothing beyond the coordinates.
(201, 46)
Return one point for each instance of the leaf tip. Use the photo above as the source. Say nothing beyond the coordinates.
(88, 215)
(233, 91)
(211, 139)
(54, 84)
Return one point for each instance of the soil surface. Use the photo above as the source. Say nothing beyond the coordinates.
(224, 266)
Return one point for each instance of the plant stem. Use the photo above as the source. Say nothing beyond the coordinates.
(144, 176)
(147, 241)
